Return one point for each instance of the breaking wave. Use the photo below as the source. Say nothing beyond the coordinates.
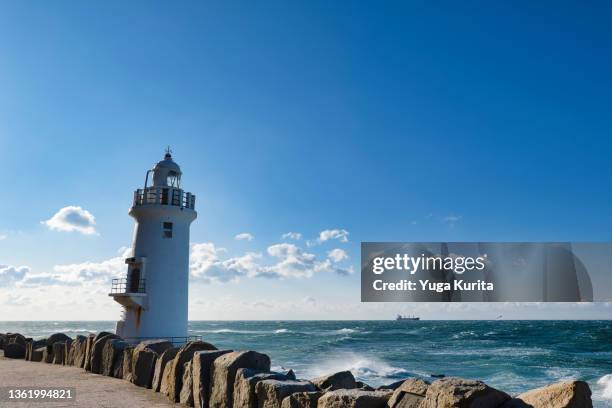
(605, 383)
(281, 331)
(363, 367)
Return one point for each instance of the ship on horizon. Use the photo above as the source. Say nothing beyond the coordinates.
(411, 317)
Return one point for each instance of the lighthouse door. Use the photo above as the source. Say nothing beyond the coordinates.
(135, 280)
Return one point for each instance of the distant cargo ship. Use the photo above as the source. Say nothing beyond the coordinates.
(400, 317)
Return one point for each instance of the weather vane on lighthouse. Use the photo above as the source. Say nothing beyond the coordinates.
(154, 292)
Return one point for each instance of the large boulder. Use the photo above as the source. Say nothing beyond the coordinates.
(37, 354)
(32, 345)
(302, 400)
(224, 373)
(246, 381)
(71, 352)
(393, 386)
(58, 352)
(365, 387)
(201, 367)
(126, 366)
(98, 336)
(112, 356)
(451, 392)
(354, 398)
(339, 380)
(118, 366)
(67, 348)
(160, 365)
(88, 349)
(17, 338)
(14, 350)
(270, 393)
(566, 394)
(39, 343)
(3, 340)
(173, 375)
(97, 350)
(158, 346)
(28, 349)
(78, 351)
(47, 357)
(91, 341)
(54, 338)
(144, 358)
(186, 393)
(143, 364)
(408, 394)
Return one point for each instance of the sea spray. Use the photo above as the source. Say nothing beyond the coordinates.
(363, 367)
(606, 383)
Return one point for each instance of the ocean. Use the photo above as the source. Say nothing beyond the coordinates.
(513, 356)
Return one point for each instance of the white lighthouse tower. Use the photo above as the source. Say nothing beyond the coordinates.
(154, 292)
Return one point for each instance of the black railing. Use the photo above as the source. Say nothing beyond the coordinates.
(124, 285)
(164, 196)
(176, 340)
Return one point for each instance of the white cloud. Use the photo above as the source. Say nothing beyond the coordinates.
(283, 261)
(337, 255)
(2, 237)
(328, 266)
(205, 264)
(294, 263)
(72, 218)
(203, 256)
(292, 235)
(10, 275)
(81, 273)
(245, 236)
(330, 234)
(451, 220)
(232, 269)
(246, 264)
(93, 271)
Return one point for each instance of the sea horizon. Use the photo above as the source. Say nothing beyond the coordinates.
(335, 320)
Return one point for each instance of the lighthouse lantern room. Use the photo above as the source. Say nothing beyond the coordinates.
(154, 291)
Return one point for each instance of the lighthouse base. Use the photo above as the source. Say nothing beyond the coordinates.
(129, 326)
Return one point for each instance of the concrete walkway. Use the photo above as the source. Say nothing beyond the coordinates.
(92, 390)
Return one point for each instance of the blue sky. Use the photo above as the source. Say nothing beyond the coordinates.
(402, 121)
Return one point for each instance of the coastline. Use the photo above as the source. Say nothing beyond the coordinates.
(509, 355)
(107, 353)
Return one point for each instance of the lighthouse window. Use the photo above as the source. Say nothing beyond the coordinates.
(167, 229)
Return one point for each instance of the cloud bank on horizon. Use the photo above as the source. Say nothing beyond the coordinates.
(209, 264)
(61, 288)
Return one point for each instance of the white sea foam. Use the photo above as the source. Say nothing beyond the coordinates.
(493, 351)
(605, 383)
(561, 374)
(463, 334)
(344, 331)
(363, 367)
(218, 331)
(280, 331)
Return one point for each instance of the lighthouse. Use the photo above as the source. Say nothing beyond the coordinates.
(154, 291)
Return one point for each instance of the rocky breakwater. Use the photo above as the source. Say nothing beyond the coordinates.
(197, 374)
